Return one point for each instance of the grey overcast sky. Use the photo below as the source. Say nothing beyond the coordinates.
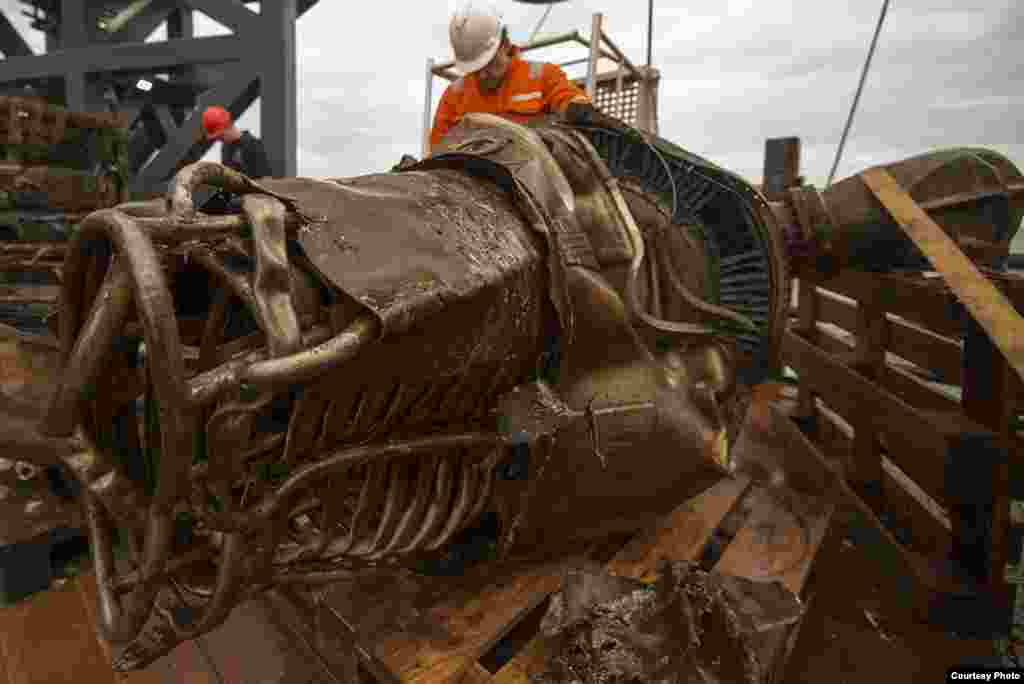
(734, 72)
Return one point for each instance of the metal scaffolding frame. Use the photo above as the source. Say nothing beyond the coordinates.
(610, 89)
(95, 46)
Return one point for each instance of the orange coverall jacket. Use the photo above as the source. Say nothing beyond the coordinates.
(529, 89)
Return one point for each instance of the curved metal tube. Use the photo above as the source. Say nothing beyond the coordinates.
(153, 208)
(163, 343)
(236, 282)
(85, 359)
(309, 363)
(183, 187)
(208, 386)
(636, 238)
(351, 457)
(272, 280)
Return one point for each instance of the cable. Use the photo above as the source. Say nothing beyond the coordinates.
(856, 96)
(650, 29)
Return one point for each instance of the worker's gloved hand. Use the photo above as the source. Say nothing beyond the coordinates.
(586, 114)
(407, 161)
(581, 113)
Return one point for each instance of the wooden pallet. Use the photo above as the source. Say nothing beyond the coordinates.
(412, 629)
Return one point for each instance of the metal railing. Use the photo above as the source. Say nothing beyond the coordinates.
(627, 92)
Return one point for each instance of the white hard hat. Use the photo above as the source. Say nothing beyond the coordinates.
(475, 33)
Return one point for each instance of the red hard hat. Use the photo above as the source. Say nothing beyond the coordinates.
(216, 120)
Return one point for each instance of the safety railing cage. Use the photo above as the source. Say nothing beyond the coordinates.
(627, 92)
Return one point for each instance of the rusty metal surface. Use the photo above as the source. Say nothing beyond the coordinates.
(969, 192)
(407, 245)
(320, 382)
(690, 626)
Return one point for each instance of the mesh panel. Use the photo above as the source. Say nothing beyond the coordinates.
(621, 104)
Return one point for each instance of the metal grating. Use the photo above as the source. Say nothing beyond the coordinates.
(622, 104)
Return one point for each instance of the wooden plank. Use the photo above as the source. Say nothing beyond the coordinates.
(48, 639)
(990, 307)
(433, 630)
(909, 562)
(916, 442)
(476, 674)
(249, 647)
(680, 536)
(783, 532)
(927, 350)
(775, 543)
(987, 398)
(315, 632)
(895, 380)
(809, 312)
(921, 301)
(837, 309)
(904, 502)
(872, 334)
(184, 664)
(86, 586)
(917, 345)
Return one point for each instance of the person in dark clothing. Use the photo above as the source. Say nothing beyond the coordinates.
(240, 150)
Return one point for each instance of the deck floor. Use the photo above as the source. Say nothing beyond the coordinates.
(859, 629)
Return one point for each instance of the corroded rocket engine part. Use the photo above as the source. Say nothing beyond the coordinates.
(352, 371)
(975, 195)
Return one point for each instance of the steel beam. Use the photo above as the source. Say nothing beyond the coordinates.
(73, 33)
(257, 59)
(125, 57)
(231, 13)
(11, 42)
(180, 24)
(239, 90)
(277, 84)
(139, 27)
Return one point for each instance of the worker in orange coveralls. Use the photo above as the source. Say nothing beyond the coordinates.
(496, 80)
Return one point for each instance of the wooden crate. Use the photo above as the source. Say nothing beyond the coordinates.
(33, 121)
(414, 629)
(914, 392)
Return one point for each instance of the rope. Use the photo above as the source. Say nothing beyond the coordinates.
(856, 96)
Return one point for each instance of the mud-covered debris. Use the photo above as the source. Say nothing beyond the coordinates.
(691, 626)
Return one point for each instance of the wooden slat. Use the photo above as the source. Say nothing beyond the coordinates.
(681, 537)
(987, 399)
(836, 309)
(48, 639)
(872, 333)
(315, 632)
(472, 616)
(927, 350)
(924, 302)
(899, 382)
(809, 311)
(917, 443)
(249, 647)
(774, 544)
(908, 341)
(990, 307)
